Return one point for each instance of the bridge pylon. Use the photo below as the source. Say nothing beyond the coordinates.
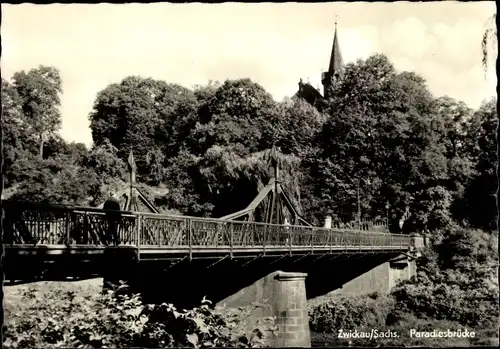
(130, 196)
(277, 200)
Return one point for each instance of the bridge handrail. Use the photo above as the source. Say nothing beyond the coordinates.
(217, 220)
(60, 207)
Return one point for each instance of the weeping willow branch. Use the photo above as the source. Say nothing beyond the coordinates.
(489, 41)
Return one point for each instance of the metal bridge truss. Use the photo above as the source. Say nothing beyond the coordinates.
(278, 199)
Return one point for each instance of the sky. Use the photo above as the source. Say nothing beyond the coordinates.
(273, 44)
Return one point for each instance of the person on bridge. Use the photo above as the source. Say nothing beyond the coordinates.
(113, 218)
(287, 227)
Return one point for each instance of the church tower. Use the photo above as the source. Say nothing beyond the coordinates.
(335, 69)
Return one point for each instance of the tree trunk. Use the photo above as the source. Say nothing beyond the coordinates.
(41, 147)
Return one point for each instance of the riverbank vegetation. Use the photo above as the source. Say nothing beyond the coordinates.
(456, 288)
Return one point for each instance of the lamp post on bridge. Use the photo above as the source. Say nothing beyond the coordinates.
(359, 205)
(132, 175)
(358, 182)
(387, 214)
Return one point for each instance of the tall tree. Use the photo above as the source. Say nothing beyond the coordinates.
(380, 141)
(237, 114)
(295, 126)
(39, 91)
(346, 154)
(137, 114)
(55, 180)
(480, 194)
(103, 161)
(451, 118)
(155, 160)
(12, 130)
(224, 182)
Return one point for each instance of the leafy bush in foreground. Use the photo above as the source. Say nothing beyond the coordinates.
(457, 280)
(110, 320)
(364, 313)
(349, 313)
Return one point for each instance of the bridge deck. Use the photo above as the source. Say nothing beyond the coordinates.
(145, 251)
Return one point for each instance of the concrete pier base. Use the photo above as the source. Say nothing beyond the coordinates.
(291, 309)
(283, 295)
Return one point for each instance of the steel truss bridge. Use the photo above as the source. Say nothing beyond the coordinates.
(32, 228)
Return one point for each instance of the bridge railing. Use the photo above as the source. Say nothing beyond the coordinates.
(182, 231)
(43, 224)
(40, 224)
(379, 225)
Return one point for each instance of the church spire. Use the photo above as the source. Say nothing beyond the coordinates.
(336, 67)
(336, 62)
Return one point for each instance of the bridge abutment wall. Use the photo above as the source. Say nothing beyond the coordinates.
(382, 278)
(281, 295)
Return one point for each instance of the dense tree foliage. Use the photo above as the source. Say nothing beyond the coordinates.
(388, 138)
(138, 114)
(479, 202)
(457, 281)
(38, 94)
(381, 146)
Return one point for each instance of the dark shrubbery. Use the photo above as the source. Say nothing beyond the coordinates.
(349, 313)
(109, 320)
(457, 280)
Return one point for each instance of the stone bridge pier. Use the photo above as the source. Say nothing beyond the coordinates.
(282, 296)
